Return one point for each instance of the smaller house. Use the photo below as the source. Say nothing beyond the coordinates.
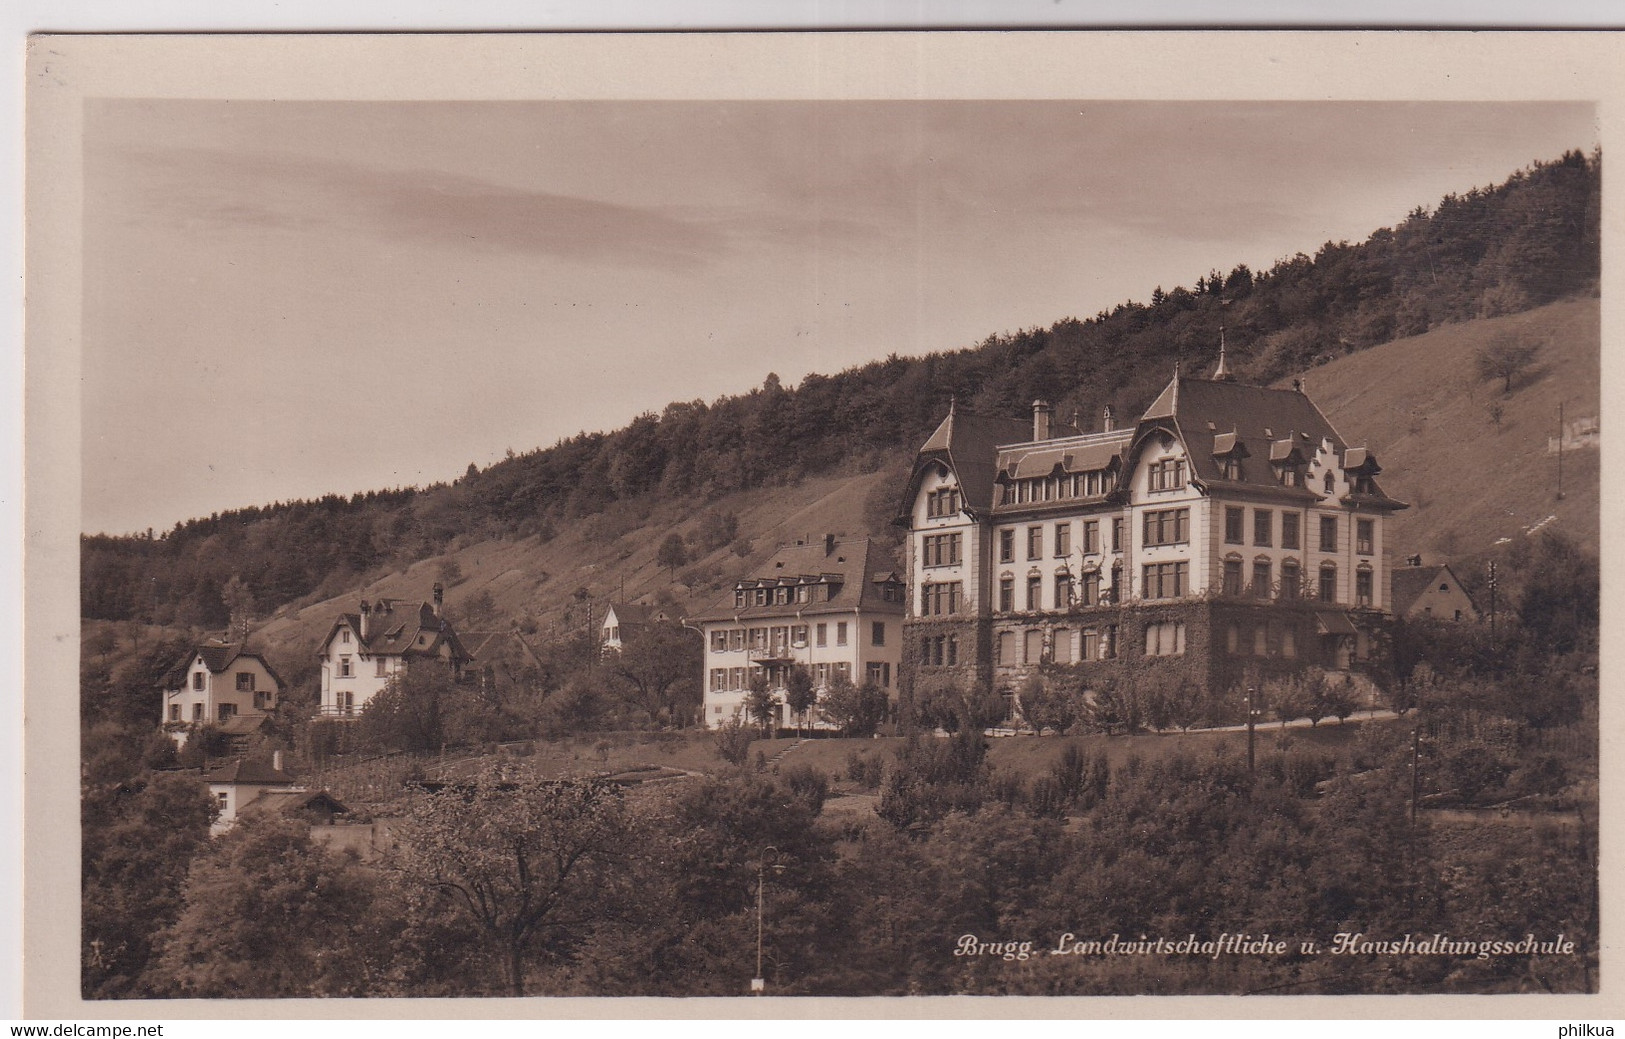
(242, 782)
(623, 620)
(317, 807)
(364, 650)
(220, 684)
(1431, 591)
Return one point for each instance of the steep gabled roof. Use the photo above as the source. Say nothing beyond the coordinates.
(852, 564)
(629, 614)
(394, 628)
(293, 802)
(217, 657)
(1214, 418)
(969, 446)
(1410, 583)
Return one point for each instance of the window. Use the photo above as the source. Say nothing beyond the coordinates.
(1035, 593)
(1328, 583)
(877, 633)
(941, 550)
(719, 679)
(344, 667)
(1363, 586)
(1261, 578)
(804, 593)
(781, 596)
(1364, 535)
(1291, 579)
(226, 711)
(1007, 546)
(736, 640)
(174, 712)
(1232, 467)
(1035, 542)
(1090, 595)
(719, 641)
(757, 637)
(1091, 537)
(1108, 648)
(1328, 533)
(798, 635)
(1034, 640)
(1233, 519)
(1167, 474)
(1289, 530)
(197, 680)
(736, 678)
(1263, 527)
(197, 712)
(344, 635)
(1117, 534)
(840, 633)
(1330, 483)
(225, 800)
(1166, 580)
(1232, 640)
(950, 654)
(1232, 577)
(1260, 644)
(821, 634)
(1063, 539)
(1007, 594)
(1167, 527)
(1063, 590)
(939, 599)
(944, 502)
(872, 674)
(245, 681)
(383, 667)
(1091, 644)
(739, 598)
(1061, 642)
(1289, 642)
(1166, 639)
(1005, 648)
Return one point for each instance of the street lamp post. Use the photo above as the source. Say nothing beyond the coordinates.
(1252, 721)
(758, 984)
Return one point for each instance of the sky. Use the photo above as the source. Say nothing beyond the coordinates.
(287, 299)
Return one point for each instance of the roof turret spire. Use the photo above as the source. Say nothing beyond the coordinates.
(1222, 372)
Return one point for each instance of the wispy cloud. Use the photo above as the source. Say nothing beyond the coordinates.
(206, 190)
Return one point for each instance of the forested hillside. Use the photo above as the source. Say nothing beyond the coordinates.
(1491, 252)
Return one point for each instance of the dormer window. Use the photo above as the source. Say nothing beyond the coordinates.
(1330, 483)
(944, 502)
(344, 635)
(1230, 466)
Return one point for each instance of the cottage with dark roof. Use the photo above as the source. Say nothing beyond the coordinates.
(219, 684)
(624, 620)
(364, 650)
(1231, 525)
(239, 783)
(1431, 591)
(834, 607)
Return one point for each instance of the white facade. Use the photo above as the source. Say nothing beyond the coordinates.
(200, 695)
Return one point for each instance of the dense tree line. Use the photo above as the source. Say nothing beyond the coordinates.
(1499, 250)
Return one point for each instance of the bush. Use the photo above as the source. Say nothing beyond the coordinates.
(866, 770)
(807, 785)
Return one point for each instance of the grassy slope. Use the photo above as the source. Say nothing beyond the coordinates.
(1419, 404)
(539, 578)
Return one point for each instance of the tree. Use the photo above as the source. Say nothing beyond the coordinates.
(654, 671)
(239, 600)
(138, 839)
(672, 554)
(533, 862)
(760, 704)
(1045, 704)
(410, 712)
(270, 912)
(799, 694)
(858, 710)
(732, 740)
(1504, 357)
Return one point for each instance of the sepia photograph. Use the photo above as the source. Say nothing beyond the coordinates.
(807, 537)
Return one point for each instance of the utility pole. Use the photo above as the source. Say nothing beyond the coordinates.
(1416, 769)
(758, 984)
(1492, 600)
(1559, 450)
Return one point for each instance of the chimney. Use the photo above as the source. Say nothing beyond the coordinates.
(1413, 560)
(1106, 419)
(439, 598)
(1297, 385)
(276, 760)
(1041, 420)
(829, 543)
(366, 620)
